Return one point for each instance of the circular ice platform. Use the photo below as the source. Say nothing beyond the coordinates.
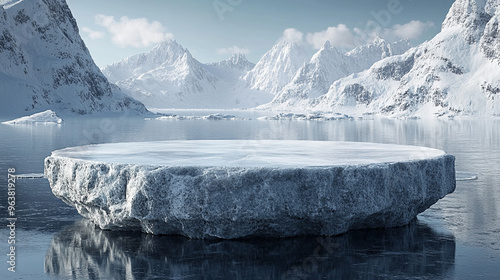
(233, 189)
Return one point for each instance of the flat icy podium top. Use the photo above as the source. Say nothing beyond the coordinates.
(248, 153)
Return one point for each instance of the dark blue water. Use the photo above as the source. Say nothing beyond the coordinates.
(458, 238)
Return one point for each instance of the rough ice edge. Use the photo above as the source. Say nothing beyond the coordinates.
(45, 117)
(215, 202)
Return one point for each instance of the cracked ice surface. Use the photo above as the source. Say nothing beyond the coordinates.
(233, 189)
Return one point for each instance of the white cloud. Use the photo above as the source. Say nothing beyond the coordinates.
(233, 49)
(343, 37)
(412, 30)
(339, 36)
(293, 35)
(92, 34)
(135, 32)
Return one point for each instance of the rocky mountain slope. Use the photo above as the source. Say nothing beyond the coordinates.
(46, 65)
(455, 73)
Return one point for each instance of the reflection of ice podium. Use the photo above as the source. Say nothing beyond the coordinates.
(233, 189)
(83, 252)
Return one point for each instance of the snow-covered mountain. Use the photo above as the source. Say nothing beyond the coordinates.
(169, 77)
(231, 69)
(314, 78)
(277, 67)
(364, 56)
(168, 74)
(455, 73)
(46, 65)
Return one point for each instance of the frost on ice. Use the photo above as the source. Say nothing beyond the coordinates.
(233, 189)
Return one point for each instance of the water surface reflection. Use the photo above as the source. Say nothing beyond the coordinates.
(416, 251)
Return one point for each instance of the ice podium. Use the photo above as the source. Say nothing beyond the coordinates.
(235, 188)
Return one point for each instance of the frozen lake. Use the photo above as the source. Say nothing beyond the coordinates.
(458, 238)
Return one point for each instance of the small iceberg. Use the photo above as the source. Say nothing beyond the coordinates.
(466, 176)
(30, 176)
(45, 117)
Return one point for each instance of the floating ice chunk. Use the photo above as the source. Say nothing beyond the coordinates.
(466, 176)
(45, 117)
(233, 189)
(30, 176)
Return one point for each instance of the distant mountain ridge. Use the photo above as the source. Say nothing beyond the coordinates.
(314, 78)
(168, 76)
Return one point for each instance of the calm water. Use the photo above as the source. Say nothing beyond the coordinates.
(458, 238)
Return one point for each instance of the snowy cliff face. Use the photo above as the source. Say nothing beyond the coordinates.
(168, 74)
(455, 73)
(46, 65)
(314, 78)
(277, 67)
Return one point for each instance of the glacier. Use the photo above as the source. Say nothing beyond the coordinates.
(234, 188)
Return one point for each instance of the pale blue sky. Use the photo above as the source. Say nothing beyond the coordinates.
(211, 29)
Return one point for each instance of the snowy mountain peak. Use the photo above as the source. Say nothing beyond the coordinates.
(277, 67)
(471, 16)
(163, 77)
(379, 41)
(327, 52)
(165, 55)
(168, 49)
